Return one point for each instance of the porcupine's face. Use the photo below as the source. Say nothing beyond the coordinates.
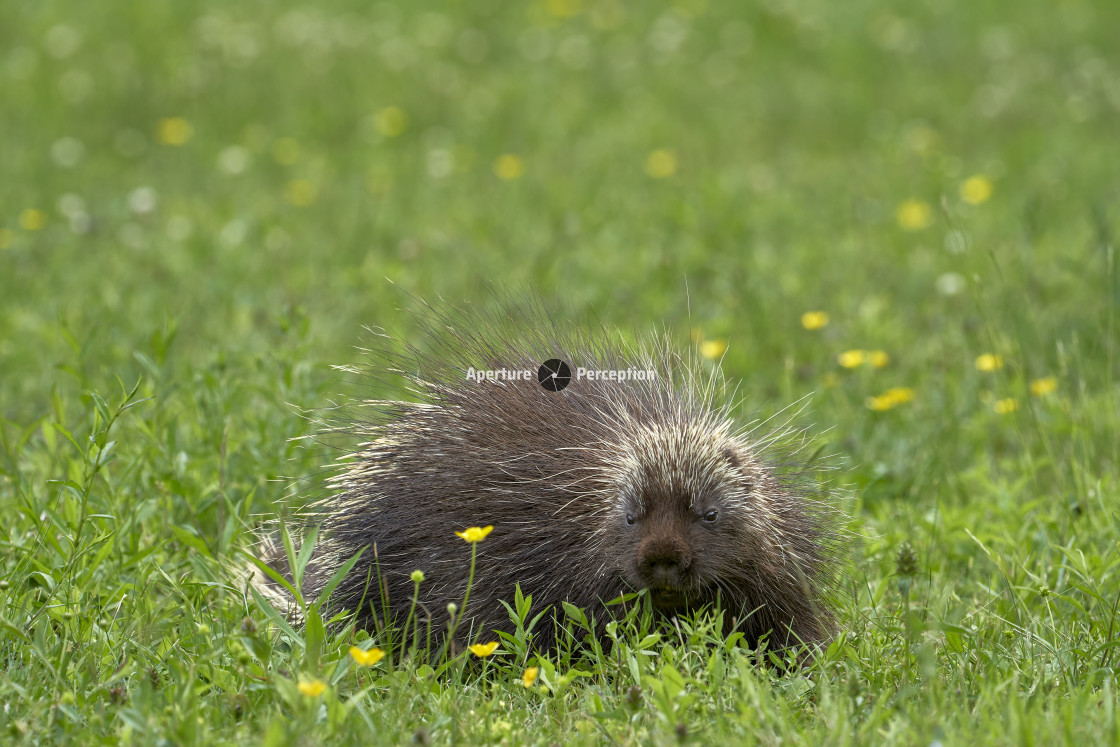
(682, 516)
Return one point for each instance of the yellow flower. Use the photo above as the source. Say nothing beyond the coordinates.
(878, 404)
(311, 688)
(1004, 406)
(475, 534)
(900, 394)
(1042, 387)
(661, 163)
(530, 676)
(563, 8)
(32, 219)
(508, 166)
(851, 358)
(366, 658)
(391, 121)
(174, 131)
(482, 650)
(976, 189)
(891, 398)
(286, 151)
(914, 215)
(712, 349)
(878, 358)
(989, 362)
(300, 192)
(814, 319)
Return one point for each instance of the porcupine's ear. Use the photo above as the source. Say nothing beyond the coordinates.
(739, 463)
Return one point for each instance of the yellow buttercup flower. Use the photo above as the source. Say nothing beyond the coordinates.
(661, 163)
(508, 166)
(900, 394)
(878, 404)
(814, 319)
(857, 358)
(482, 650)
(311, 688)
(366, 658)
(174, 131)
(475, 534)
(563, 8)
(989, 362)
(32, 219)
(1042, 387)
(712, 349)
(878, 358)
(891, 398)
(1004, 406)
(300, 192)
(391, 121)
(914, 215)
(530, 676)
(976, 189)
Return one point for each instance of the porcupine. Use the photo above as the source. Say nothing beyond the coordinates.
(605, 486)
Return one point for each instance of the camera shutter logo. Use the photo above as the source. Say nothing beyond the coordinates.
(554, 375)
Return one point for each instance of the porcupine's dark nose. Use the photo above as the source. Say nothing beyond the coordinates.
(663, 563)
(663, 573)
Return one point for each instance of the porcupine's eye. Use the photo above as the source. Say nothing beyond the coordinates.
(630, 520)
(711, 516)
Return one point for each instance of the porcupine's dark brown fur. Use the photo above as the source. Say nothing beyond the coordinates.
(598, 489)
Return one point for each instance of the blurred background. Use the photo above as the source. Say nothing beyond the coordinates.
(862, 199)
(906, 210)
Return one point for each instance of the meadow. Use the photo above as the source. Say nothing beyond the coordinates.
(906, 211)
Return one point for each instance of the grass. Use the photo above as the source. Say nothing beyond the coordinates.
(201, 202)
